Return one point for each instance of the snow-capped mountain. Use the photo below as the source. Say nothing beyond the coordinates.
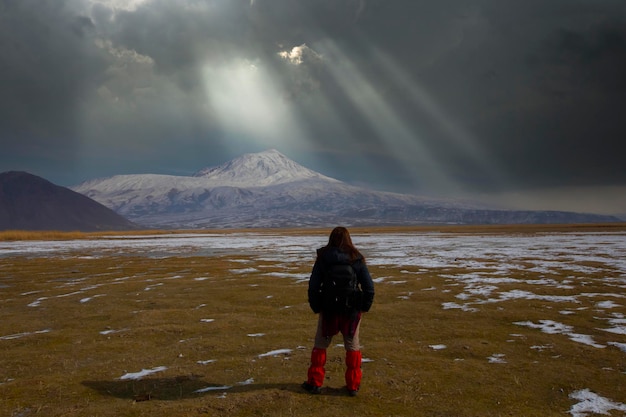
(258, 170)
(267, 189)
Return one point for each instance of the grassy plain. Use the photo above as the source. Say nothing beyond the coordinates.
(15, 235)
(72, 326)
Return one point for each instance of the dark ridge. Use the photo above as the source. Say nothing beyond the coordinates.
(29, 202)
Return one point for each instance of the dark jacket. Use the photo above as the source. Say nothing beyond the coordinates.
(327, 256)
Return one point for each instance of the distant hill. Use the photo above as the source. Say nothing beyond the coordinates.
(267, 189)
(29, 202)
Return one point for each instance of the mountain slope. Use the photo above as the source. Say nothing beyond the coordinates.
(259, 169)
(29, 202)
(269, 190)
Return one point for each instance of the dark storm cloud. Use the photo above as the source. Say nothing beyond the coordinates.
(555, 115)
(539, 86)
(45, 63)
(492, 94)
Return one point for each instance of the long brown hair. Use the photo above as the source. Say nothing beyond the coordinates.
(340, 238)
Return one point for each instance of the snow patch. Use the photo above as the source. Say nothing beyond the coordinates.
(497, 358)
(437, 347)
(541, 348)
(620, 346)
(590, 402)
(143, 373)
(276, 352)
(20, 335)
(465, 307)
(553, 327)
(243, 271)
(87, 299)
(616, 330)
(218, 388)
(607, 304)
(110, 331)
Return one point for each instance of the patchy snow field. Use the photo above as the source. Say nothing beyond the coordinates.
(476, 269)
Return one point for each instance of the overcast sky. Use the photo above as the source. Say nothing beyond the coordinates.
(521, 103)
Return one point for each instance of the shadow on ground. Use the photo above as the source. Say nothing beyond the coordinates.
(186, 386)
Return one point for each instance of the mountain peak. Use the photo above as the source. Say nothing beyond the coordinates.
(259, 169)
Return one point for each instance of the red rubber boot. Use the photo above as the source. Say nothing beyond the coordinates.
(354, 372)
(315, 375)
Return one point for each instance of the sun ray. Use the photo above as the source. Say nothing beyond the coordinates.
(427, 104)
(394, 135)
(247, 102)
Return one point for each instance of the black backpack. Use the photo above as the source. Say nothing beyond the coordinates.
(340, 289)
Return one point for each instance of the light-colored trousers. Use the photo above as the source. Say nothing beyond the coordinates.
(323, 342)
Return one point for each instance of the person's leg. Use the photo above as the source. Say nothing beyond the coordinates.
(321, 341)
(316, 371)
(352, 342)
(353, 372)
(353, 361)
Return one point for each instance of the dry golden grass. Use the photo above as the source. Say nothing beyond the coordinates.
(156, 308)
(13, 235)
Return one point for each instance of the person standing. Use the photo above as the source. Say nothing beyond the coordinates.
(338, 257)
